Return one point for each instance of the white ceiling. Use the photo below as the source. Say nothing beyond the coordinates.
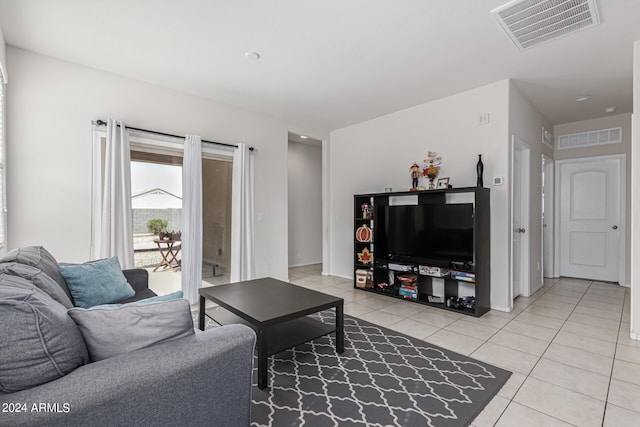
(332, 63)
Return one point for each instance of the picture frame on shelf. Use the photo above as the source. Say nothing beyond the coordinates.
(443, 183)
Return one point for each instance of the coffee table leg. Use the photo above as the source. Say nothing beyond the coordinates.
(262, 359)
(201, 315)
(340, 328)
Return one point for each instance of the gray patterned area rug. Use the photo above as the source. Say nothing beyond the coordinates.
(383, 378)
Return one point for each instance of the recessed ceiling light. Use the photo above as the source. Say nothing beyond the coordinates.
(583, 98)
(252, 56)
(303, 137)
(610, 110)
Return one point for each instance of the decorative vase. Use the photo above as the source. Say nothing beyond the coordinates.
(479, 171)
(432, 178)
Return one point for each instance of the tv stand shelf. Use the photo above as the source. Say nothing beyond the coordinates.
(452, 274)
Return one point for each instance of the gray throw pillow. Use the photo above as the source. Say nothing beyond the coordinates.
(40, 342)
(97, 282)
(38, 257)
(38, 278)
(111, 330)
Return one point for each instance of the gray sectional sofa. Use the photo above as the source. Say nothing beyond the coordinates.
(50, 377)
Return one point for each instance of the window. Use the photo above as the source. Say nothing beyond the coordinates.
(3, 204)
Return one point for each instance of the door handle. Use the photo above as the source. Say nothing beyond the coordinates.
(521, 230)
(615, 227)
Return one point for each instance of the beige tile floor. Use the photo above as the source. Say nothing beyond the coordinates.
(567, 345)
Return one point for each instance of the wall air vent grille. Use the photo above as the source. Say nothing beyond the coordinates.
(531, 22)
(596, 137)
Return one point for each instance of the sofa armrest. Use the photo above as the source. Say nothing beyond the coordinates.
(202, 379)
(138, 278)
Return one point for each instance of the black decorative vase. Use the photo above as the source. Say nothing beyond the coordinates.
(479, 171)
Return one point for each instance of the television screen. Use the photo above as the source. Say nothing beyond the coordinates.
(431, 233)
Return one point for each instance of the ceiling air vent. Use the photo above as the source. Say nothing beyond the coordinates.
(596, 137)
(531, 22)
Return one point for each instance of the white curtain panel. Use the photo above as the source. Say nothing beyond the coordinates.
(242, 239)
(192, 218)
(112, 207)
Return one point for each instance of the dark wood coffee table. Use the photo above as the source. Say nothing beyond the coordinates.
(277, 311)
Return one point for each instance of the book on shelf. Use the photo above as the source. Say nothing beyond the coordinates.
(463, 276)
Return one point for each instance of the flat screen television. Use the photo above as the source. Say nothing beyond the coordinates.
(436, 234)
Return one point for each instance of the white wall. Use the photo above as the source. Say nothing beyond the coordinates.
(372, 155)
(526, 122)
(635, 199)
(607, 122)
(50, 106)
(305, 203)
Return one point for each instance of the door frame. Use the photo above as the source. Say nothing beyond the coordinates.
(622, 227)
(525, 279)
(548, 168)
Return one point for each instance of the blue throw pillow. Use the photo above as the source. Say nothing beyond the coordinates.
(167, 297)
(97, 282)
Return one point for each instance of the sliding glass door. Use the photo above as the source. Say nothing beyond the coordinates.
(216, 220)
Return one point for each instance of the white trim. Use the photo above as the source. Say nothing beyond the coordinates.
(526, 183)
(546, 160)
(4, 238)
(326, 211)
(4, 76)
(501, 308)
(306, 264)
(622, 227)
(342, 276)
(163, 146)
(98, 135)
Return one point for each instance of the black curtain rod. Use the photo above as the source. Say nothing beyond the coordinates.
(103, 123)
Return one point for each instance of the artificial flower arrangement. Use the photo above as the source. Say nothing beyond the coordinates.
(431, 167)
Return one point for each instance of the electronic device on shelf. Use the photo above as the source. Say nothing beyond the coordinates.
(412, 230)
(399, 267)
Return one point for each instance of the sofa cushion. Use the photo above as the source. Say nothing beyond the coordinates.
(150, 298)
(40, 342)
(38, 257)
(140, 295)
(165, 297)
(112, 330)
(39, 279)
(97, 282)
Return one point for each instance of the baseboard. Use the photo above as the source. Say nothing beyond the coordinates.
(625, 285)
(504, 309)
(305, 264)
(634, 336)
(533, 291)
(337, 275)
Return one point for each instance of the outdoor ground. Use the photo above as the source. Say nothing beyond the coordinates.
(145, 251)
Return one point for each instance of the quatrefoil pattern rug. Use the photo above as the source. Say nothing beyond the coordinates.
(383, 378)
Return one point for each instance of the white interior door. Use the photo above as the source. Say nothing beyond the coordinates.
(520, 218)
(591, 218)
(547, 216)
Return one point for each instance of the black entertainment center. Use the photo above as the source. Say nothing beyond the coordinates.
(430, 247)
